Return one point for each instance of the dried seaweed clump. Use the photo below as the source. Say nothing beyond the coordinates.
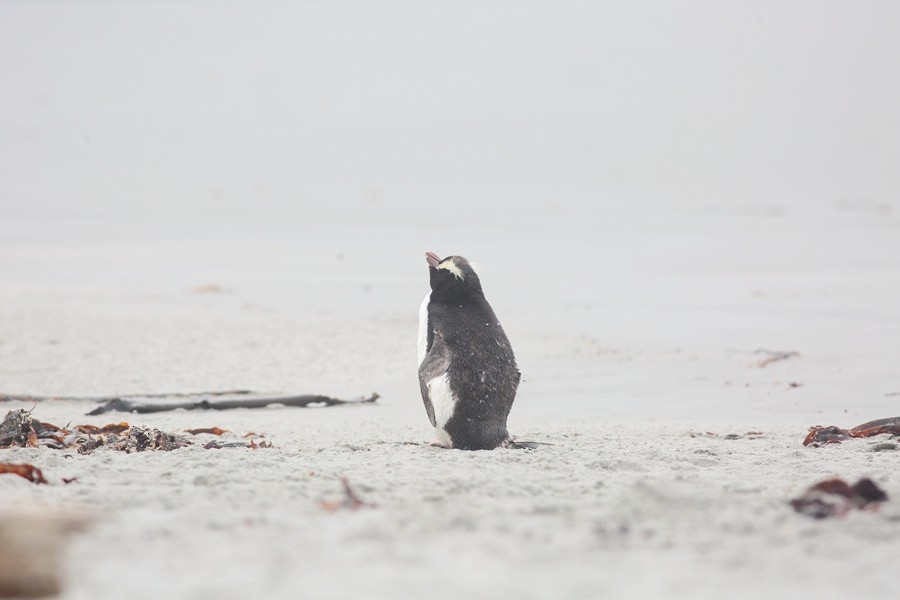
(822, 436)
(19, 429)
(836, 497)
(132, 439)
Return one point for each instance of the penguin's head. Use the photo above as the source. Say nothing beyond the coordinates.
(452, 277)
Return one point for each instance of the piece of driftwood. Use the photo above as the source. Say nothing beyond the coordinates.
(126, 405)
(33, 398)
(137, 403)
(836, 497)
(822, 436)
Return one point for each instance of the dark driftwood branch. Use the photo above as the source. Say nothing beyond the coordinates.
(33, 398)
(200, 401)
(123, 405)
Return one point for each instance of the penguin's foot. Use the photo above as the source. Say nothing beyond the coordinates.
(437, 443)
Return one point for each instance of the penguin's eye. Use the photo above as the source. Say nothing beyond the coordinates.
(450, 265)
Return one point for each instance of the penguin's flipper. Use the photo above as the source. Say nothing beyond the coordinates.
(435, 364)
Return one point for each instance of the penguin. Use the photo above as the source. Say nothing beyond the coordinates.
(467, 370)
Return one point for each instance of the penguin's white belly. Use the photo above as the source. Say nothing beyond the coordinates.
(423, 328)
(444, 403)
(439, 392)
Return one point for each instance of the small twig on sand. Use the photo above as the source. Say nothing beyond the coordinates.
(773, 356)
(351, 501)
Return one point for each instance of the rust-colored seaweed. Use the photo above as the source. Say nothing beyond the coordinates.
(210, 430)
(29, 472)
(94, 430)
(822, 436)
(835, 498)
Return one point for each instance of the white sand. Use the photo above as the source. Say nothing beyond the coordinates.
(634, 510)
(616, 507)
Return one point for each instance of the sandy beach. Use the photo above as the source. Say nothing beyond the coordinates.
(202, 197)
(635, 497)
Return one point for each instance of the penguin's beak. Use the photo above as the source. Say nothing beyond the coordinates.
(433, 259)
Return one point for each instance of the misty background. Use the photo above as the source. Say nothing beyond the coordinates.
(588, 155)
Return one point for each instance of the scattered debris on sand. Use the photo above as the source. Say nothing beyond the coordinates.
(20, 429)
(773, 356)
(835, 498)
(822, 436)
(750, 435)
(217, 445)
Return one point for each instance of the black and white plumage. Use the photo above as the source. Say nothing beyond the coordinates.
(467, 370)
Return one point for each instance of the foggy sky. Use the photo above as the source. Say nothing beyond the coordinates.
(188, 109)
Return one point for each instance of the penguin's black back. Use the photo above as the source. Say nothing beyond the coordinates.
(482, 372)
